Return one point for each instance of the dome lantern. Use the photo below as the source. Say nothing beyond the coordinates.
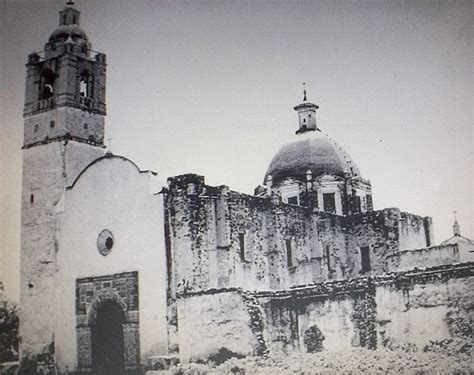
(69, 15)
(306, 114)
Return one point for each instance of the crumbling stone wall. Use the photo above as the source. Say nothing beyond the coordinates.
(422, 258)
(431, 304)
(343, 312)
(219, 321)
(372, 311)
(414, 231)
(384, 232)
(221, 238)
(406, 307)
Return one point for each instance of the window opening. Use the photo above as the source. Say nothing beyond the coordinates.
(289, 255)
(329, 202)
(47, 84)
(32, 198)
(35, 129)
(242, 246)
(328, 258)
(365, 259)
(51, 124)
(293, 200)
(85, 85)
(357, 204)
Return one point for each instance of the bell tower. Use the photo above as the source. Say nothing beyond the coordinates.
(65, 88)
(63, 132)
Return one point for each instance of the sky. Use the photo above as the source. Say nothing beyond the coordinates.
(208, 87)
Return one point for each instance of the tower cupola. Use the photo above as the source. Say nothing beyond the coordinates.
(306, 114)
(68, 33)
(66, 81)
(69, 15)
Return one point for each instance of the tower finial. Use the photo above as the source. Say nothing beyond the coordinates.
(70, 2)
(304, 92)
(456, 226)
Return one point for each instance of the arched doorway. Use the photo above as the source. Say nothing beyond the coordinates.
(107, 339)
(107, 324)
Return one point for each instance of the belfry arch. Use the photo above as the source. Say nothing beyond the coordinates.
(107, 324)
(46, 87)
(86, 84)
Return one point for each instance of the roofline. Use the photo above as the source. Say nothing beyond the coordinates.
(108, 156)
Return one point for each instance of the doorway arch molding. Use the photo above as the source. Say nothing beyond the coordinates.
(91, 294)
(105, 296)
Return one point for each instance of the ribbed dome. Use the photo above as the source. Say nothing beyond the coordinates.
(62, 33)
(317, 153)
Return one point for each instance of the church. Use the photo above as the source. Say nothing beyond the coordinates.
(122, 271)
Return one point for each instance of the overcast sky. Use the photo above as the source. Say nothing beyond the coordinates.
(209, 88)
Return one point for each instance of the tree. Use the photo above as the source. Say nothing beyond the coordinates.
(8, 330)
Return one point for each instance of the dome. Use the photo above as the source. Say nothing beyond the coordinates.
(457, 239)
(63, 32)
(318, 153)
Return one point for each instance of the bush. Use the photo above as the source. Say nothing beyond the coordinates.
(8, 330)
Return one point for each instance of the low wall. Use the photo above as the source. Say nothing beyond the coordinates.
(424, 306)
(421, 258)
(216, 320)
(412, 306)
(409, 306)
(341, 310)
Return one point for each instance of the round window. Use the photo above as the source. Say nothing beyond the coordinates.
(105, 242)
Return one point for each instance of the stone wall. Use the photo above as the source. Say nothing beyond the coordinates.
(47, 169)
(422, 258)
(221, 238)
(342, 311)
(419, 306)
(384, 232)
(218, 323)
(64, 122)
(466, 251)
(413, 307)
